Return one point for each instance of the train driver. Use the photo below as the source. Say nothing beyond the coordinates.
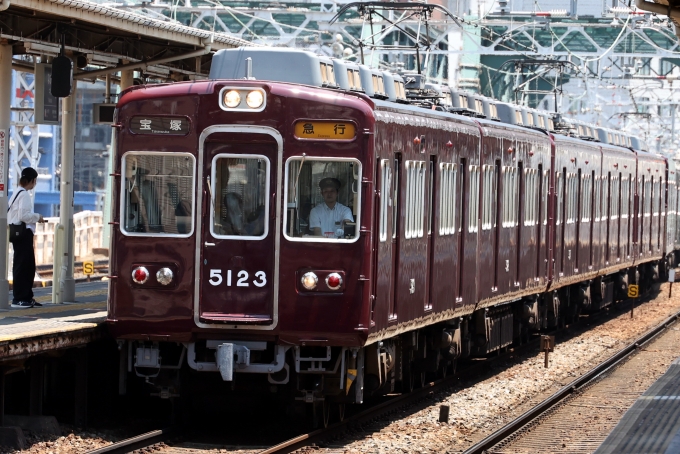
(328, 219)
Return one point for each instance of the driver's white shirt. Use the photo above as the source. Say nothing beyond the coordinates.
(329, 220)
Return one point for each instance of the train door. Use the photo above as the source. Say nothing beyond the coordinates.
(521, 203)
(395, 240)
(237, 258)
(384, 303)
(430, 254)
(607, 216)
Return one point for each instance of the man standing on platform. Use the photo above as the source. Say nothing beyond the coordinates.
(21, 221)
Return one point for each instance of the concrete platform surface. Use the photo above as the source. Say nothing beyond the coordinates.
(652, 424)
(88, 311)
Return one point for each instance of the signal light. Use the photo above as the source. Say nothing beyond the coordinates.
(334, 281)
(309, 280)
(140, 275)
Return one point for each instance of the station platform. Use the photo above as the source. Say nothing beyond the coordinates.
(26, 332)
(652, 424)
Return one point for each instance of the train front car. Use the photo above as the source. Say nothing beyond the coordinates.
(242, 249)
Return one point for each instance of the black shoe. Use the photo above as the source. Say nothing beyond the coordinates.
(22, 304)
(35, 303)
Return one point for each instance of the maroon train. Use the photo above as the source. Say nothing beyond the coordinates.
(466, 233)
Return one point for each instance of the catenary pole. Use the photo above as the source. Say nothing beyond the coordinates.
(5, 117)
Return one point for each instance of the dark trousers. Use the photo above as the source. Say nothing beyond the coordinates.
(23, 269)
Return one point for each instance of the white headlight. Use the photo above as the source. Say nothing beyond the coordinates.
(164, 276)
(309, 280)
(254, 99)
(232, 98)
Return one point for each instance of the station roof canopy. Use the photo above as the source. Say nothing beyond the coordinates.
(103, 36)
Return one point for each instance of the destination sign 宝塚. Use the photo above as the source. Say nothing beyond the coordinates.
(159, 125)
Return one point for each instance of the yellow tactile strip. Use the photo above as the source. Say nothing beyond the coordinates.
(41, 327)
(52, 308)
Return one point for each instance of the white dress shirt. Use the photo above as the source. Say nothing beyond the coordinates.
(329, 220)
(22, 210)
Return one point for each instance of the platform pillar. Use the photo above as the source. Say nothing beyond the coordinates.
(68, 136)
(81, 388)
(126, 81)
(5, 118)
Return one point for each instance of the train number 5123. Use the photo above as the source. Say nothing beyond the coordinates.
(242, 278)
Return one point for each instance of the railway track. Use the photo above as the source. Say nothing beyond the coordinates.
(417, 397)
(561, 411)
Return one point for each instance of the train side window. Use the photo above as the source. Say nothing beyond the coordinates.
(473, 207)
(598, 198)
(447, 198)
(560, 197)
(158, 194)
(657, 198)
(488, 196)
(323, 199)
(615, 197)
(648, 198)
(530, 181)
(546, 191)
(395, 198)
(385, 196)
(587, 199)
(415, 198)
(240, 184)
(510, 196)
(605, 197)
(625, 196)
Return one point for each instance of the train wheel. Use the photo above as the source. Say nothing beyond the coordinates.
(341, 411)
(325, 412)
(423, 379)
(408, 379)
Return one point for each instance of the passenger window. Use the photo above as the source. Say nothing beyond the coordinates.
(447, 203)
(158, 194)
(488, 198)
(473, 207)
(322, 199)
(415, 198)
(239, 196)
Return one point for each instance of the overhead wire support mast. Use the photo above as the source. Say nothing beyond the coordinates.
(422, 11)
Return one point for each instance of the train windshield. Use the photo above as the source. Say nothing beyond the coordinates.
(239, 192)
(158, 194)
(323, 199)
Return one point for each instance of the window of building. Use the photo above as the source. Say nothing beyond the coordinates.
(158, 194)
(323, 197)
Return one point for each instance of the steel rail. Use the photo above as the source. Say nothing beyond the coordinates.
(613, 361)
(134, 443)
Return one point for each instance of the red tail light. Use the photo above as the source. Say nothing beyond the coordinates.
(334, 281)
(140, 275)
